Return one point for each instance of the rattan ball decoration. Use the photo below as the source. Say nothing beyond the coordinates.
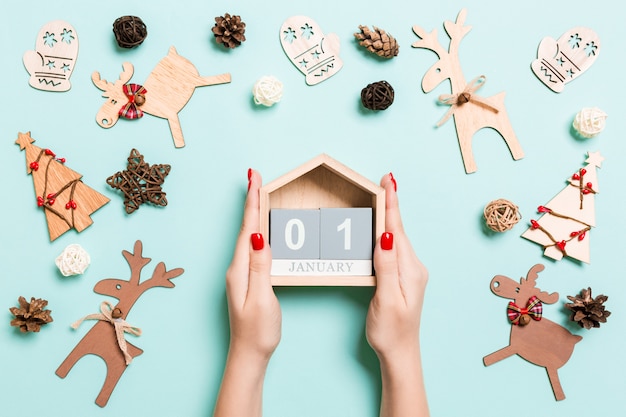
(377, 96)
(130, 31)
(501, 215)
(589, 122)
(267, 91)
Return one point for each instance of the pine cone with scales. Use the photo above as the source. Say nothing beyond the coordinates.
(587, 311)
(229, 30)
(378, 42)
(29, 317)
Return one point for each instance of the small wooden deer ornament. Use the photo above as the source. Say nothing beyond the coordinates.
(534, 338)
(168, 88)
(106, 337)
(471, 112)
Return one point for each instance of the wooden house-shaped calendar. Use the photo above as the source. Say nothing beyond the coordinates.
(322, 220)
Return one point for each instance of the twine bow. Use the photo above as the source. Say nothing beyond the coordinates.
(533, 309)
(467, 95)
(119, 324)
(131, 109)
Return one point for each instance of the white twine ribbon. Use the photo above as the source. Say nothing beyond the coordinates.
(119, 324)
(467, 95)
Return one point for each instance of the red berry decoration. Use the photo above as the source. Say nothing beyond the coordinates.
(34, 165)
(49, 152)
(534, 224)
(543, 209)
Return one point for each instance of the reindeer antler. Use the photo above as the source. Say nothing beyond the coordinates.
(457, 31)
(533, 274)
(162, 277)
(531, 281)
(136, 262)
(428, 41)
(125, 76)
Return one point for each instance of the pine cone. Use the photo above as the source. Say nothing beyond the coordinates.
(229, 30)
(30, 316)
(378, 42)
(587, 311)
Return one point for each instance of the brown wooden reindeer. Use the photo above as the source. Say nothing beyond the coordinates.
(471, 112)
(168, 88)
(538, 340)
(102, 339)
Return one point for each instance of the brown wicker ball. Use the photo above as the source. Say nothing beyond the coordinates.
(377, 96)
(130, 31)
(501, 215)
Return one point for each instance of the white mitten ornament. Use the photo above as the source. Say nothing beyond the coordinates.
(316, 55)
(559, 62)
(52, 62)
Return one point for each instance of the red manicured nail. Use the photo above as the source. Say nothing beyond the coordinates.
(257, 241)
(249, 178)
(386, 241)
(393, 180)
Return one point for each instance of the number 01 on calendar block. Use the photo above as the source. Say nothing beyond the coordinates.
(327, 242)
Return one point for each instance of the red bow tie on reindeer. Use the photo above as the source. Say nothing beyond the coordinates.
(521, 316)
(471, 112)
(166, 91)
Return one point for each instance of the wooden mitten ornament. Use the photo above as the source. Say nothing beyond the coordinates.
(52, 62)
(561, 61)
(316, 55)
(471, 112)
(533, 337)
(566, 220)
(106, 337)
(167, 90)
(65, 200)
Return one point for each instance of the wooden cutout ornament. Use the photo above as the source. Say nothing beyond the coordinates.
(314, 54)
(52, 62)
(560, 62)
(167, 90)
(566, 220)
(65, 200)
(471, 112)
(103, 339)
(533, 337)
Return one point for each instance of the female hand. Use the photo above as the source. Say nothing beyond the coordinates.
(255, 316)
(393, 318)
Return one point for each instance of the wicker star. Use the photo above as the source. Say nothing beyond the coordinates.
(140, 182)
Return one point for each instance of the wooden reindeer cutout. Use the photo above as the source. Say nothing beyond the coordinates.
(167, 90)
(471, 112)
(534, 338)
(106, 337)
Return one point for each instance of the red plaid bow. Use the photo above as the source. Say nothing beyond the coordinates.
(533, 308)
(130, 110)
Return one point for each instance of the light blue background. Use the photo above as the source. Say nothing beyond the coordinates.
(323, 366)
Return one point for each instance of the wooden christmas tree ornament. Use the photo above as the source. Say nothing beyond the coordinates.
(561, 61)
(533, 337)
(106, 337)
(566, 220)
(52, 62)
(471, 112)
(167, 90)
(314, 54)
(65, 200)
